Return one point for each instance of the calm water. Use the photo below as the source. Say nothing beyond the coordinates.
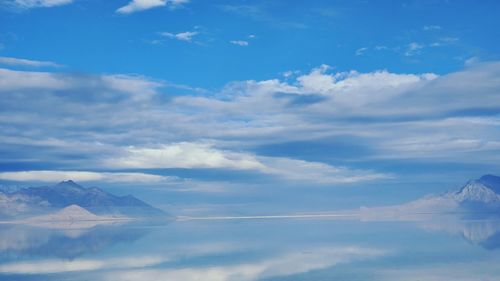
(281, 249)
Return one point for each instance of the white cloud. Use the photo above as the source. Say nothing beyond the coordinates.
(183, 155)
(449, 138)
(317, 81)
(28, 4)
(239, 42)
(413, 49)
(81, 176)
(181, 36)
(28, 63)
(289, 73)
(354, 88)
(141, 5)
(139, 88)
(361, 51)
(19, 80)
(203, 155)
(135, 86)
(472, 61)
(377, 94)
(299, 170)
(45, 117)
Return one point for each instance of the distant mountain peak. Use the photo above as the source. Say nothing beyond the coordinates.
(492, 182)
(476, 190)
(476, 197)
(490, 177)
(68, 183)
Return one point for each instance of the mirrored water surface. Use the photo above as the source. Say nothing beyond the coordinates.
(266, 249)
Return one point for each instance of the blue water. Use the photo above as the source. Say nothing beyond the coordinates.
(273, 249)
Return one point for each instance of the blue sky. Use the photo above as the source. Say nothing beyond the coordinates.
(234, 102)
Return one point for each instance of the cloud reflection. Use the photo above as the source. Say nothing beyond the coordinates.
(282, 265)
(69, 244)
(58, 266)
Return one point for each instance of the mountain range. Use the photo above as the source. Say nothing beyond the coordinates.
(479, 197)
(27, 202)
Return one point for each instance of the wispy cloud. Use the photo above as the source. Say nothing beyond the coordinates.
(239, 42)
(471, 61)
(262, 13)
(81, 176)
(431, 27)
(306, 171)
(413, 48)
(448, 39)
(203, 155)
(28, 63)
(181, 36)
(59, 266)
(141, 5)
(443, 41)
(29, 4)
(361, 51)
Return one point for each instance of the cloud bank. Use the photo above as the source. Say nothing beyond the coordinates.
(79, 122)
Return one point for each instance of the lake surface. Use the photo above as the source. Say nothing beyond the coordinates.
(265, 249)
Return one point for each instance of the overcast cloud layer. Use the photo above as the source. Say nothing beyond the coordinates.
(117, 122)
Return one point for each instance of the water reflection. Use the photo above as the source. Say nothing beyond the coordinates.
(21, 240)
(485, 233)
(433, 249)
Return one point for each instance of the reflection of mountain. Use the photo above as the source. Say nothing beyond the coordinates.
(471, 212)
(70, 213)
(72, 217)
(478, 198)
(493, 242)
(19, 240)
(481, 232)
(45, 199)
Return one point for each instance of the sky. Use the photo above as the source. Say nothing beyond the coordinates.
(295, 104)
